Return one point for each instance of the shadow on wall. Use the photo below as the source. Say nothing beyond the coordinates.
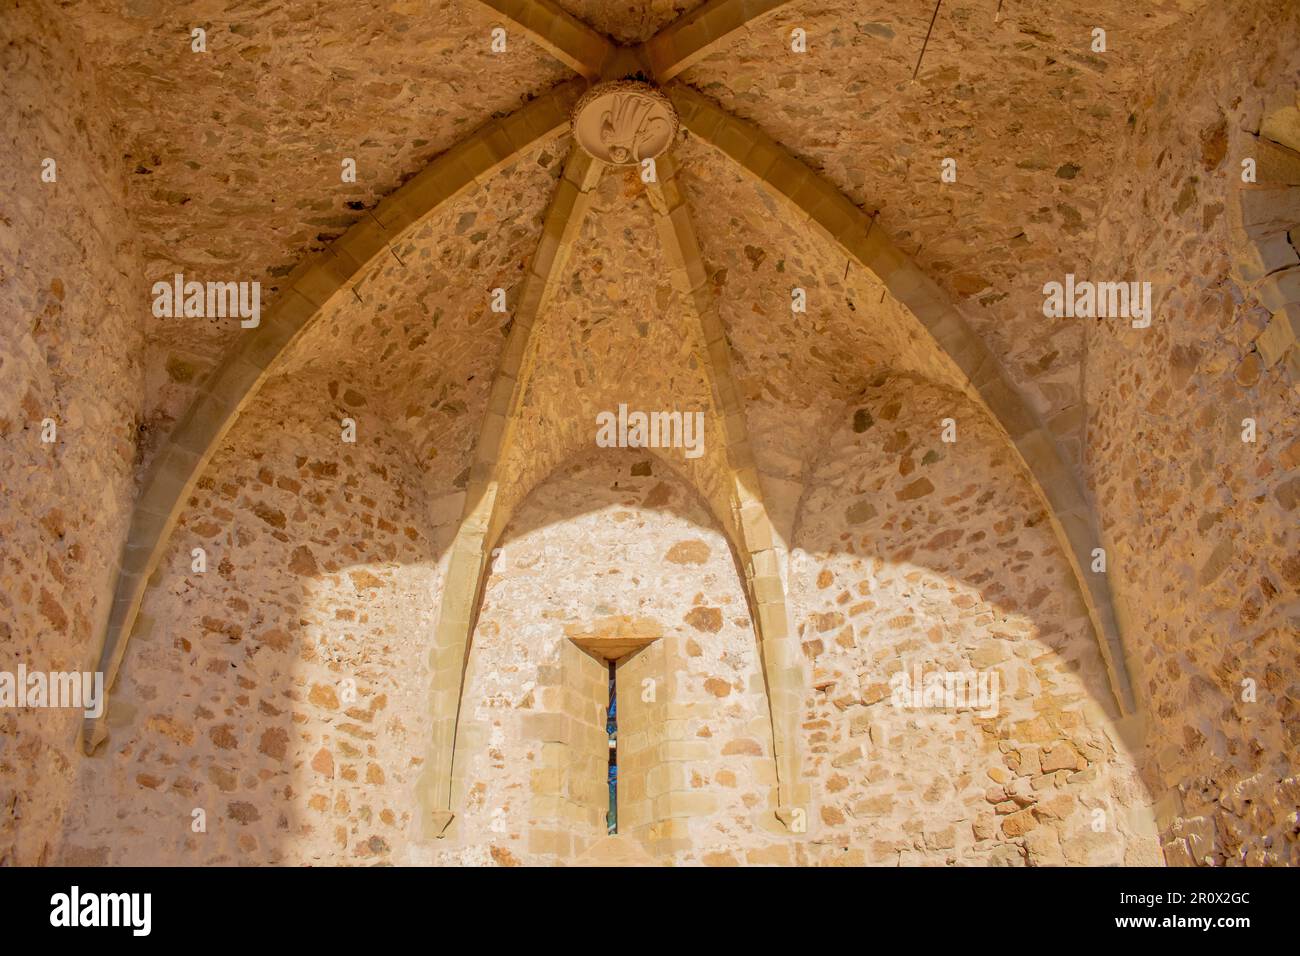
(278, 694)
(322, 568)
(919, 556)
(612, 540)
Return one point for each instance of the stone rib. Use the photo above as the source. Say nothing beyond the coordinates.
(240, 376)
(836, 217)
(566, 38)
(757, 544)
(691, 38)
(481, 520)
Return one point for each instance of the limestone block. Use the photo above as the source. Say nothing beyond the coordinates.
(1266, 205)
(1276, 164)
(1281, 119)
(1279, 289)
(1280, 335)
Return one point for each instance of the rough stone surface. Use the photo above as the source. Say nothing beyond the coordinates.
(418, 342)
(827, 537)
(593, 542)
(615, 306)
(289, 94)
(1027, 110)
(71, 340)
(236, 699)
(961, 575)
(1202, 526)
(632, 21)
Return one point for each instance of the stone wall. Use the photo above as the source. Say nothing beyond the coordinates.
(629, 22)
(1013, 94)
(908, 551)
(282, 690)
(1200, 524)
(70, 352)
(614, 535)
(235, 735)
(234, 155)
(914, 554)
(418, 334)
(614, 308)
(790, 366)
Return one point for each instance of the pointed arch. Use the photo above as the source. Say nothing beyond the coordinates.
(756, 540)
(230, 388)
(836, 217)
(481, 518)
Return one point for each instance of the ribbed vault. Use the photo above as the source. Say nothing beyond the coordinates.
(672, 293)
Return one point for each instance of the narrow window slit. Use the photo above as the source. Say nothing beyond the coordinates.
(611, 728)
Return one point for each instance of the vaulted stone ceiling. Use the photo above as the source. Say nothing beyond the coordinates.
(1028, 112)
(418, 339)
(1031, 115)
(243, 177)
(1068, 161)
(629, 21)
(794, 367)
(235, 155)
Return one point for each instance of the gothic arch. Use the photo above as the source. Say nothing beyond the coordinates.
(833, 214)
(911, 554)
(465, 587)
(663, 498)
(233, 384)
(475, 160)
